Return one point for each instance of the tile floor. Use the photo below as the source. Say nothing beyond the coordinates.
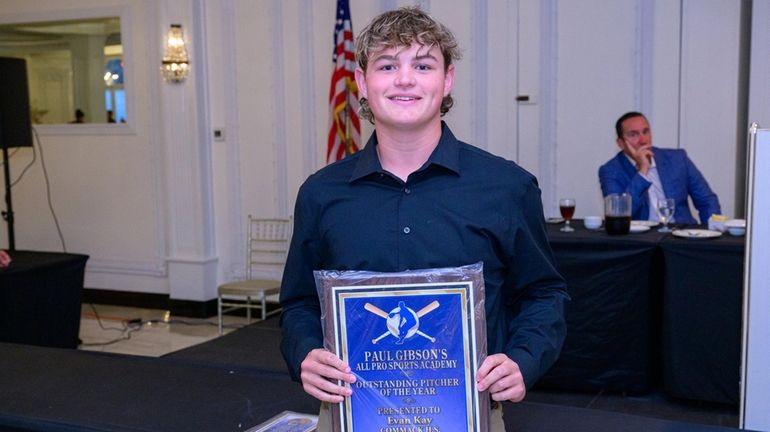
(145, 332)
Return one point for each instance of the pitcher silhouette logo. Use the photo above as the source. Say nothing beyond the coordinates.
(402, 322)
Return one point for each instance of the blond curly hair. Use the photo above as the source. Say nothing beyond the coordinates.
(401, 28)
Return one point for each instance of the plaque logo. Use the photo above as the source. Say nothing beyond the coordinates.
(402, 322)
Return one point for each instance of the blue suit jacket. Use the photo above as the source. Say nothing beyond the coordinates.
(680, 179)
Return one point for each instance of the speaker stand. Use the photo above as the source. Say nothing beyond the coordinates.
(8, 213)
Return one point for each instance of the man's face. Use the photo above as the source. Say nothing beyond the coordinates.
(405, 86)
(636, 133)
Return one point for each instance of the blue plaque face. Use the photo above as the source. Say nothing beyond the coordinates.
(412, 348)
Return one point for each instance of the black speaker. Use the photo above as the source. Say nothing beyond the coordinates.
(15, 123)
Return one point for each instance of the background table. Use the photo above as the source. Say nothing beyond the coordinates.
(612, 317)
(646, 306)
(40, 295)
(702, 309)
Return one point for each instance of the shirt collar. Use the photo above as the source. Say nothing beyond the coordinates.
(446, 154)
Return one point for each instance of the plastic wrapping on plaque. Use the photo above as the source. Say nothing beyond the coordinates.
(414, 340)
(288, 421)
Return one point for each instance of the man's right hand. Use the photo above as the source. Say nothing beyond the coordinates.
(642, 156)
(5, 259)
(321, 370)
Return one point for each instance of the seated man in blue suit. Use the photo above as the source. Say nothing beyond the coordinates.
(649, 173)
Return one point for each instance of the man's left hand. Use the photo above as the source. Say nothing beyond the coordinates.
(502, 377)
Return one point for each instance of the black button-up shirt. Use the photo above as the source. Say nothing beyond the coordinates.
(464, 205)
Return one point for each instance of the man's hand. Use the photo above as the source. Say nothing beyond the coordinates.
(502, 377)
(5, 259)
(642, 156)
(321, 370)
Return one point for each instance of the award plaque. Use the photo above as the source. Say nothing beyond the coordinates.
(414, 341)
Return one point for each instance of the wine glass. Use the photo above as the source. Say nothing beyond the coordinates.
(567, 209)
(666, 209)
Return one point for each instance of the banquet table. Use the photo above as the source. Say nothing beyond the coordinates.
(648, 306)
(701, 328)
(40, 295)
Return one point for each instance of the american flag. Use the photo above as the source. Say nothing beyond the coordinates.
(344, 124)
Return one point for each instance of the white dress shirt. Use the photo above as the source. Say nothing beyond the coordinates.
(655, 191)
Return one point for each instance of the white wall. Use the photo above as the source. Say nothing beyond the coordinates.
(105, 182)
(759, 109)
(159, 205)
(657, 57)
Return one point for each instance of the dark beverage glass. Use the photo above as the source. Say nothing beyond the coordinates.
(567, 210)
(617, 213)
(617, 225)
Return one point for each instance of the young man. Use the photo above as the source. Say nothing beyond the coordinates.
(415, 198)
(650, 174)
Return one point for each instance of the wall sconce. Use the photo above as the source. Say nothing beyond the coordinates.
(175, 65)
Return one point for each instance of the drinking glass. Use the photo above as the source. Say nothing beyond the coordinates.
(617, 213)
(567, 209)
(666, 209)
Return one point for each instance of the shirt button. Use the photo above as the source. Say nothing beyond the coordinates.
(407, 191)
(407, 230)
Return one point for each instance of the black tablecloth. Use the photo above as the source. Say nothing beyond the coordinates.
(253, 347)
(40, 295)
(650, 304)
(53, 389)
(49, 389)
(702, 318)
(610, 320)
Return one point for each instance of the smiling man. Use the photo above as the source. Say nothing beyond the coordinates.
(418, 198)
(650, 174)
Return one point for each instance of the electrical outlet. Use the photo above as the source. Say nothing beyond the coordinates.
(219, 134)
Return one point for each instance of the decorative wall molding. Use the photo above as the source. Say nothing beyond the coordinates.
(549, 71)
(88, 129)
(279, 100)
(237, 253)
(203, 105)
(480, 47)
(643, 93)
(759, 109)
(127, 267)
(192, 260)
(155, 137)
(310, 139)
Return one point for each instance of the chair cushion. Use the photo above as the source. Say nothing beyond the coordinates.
(250, 287)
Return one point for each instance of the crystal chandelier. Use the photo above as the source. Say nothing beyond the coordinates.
(175, 65)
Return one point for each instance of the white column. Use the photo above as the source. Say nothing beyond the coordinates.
(192, 263)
